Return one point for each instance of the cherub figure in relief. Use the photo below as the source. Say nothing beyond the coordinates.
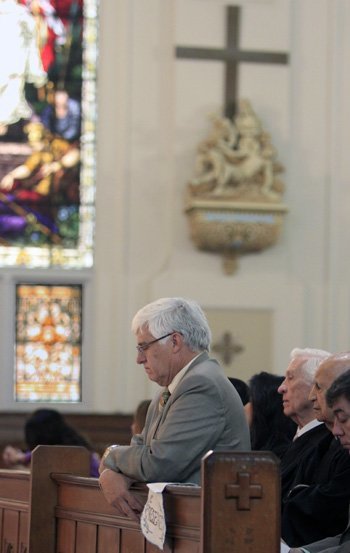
(237, 159)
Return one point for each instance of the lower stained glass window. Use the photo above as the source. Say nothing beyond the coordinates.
(48, 343)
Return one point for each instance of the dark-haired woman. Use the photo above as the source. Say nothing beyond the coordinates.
(47, 427)
(270, 429)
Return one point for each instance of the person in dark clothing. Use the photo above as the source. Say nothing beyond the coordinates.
(338, 399)
(317, 504)
(295, 390)
(241, 387)
(301, 448)
(270, 429)
(48, 427)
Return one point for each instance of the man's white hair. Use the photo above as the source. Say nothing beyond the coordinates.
(310, 359)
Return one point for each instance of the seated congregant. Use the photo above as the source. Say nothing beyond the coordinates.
(270, 429)
(317, 503)
(139, 417)
(241, 387)
(295, 390)
(338, 400)
(47, 427)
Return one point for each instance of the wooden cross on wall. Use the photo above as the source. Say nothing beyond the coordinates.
(227, 348)
(232, 56)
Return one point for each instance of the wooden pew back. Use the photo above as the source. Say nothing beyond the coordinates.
(235, 511)
(84, 518)
(47, 460)
(14, 511)
(241, 497)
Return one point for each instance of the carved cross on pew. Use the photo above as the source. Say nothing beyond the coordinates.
(232, 56)
(243, 487)
(244, 491)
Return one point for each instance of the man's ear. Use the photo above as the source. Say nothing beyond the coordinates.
(177, 340)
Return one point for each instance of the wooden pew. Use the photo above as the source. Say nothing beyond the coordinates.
(14, 511)
(240, 503)
(28, 499)
(236, 509)
(47, 460)
(84, 517)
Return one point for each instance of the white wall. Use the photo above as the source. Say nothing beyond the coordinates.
(302, 279)
(152, 114)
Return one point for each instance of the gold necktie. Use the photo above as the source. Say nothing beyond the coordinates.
(163, 399)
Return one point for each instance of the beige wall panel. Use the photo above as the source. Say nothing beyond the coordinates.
(242, 340)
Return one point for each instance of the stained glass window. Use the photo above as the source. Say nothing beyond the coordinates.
(48, 343)
(47, 132)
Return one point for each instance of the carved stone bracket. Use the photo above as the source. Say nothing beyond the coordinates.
(234, 228)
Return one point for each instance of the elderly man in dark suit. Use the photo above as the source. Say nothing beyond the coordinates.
(338, 399)
(197, 410)
(318, 506)
(295, 390)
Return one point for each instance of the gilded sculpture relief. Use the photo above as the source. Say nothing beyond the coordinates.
(234, 200)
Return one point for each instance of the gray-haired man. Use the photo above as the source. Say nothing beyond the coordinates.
(203, 412)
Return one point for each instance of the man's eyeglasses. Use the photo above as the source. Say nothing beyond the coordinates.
(141, 348)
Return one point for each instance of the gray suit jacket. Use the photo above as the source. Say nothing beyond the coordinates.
(204, 413)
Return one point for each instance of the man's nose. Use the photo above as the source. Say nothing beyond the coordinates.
(140, 358)
(337, 429)
(312, 395)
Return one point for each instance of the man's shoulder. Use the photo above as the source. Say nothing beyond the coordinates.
(206, 369)
(204, 363)
(305, 445)
(320, 432)
(335, 456)
(316, 434)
